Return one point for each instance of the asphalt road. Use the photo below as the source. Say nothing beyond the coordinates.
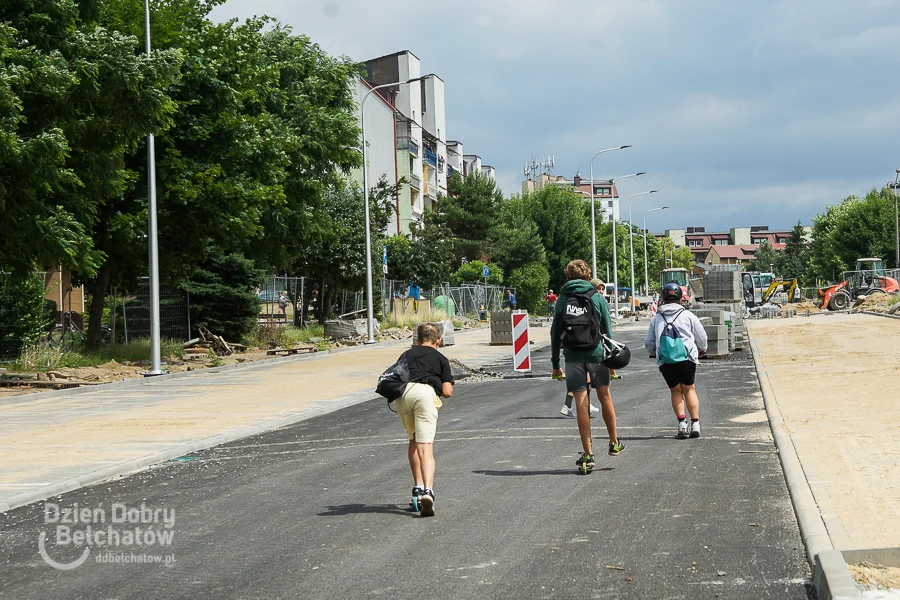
(318, 509)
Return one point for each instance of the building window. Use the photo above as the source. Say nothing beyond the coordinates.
(782, 240)
(721, 242)
(757, 241)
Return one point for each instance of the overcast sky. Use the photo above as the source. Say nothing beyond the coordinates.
(742, 113)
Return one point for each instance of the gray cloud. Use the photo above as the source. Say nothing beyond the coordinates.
(741, 113)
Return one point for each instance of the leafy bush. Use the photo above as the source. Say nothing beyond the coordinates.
(471, 273)
(530, 282)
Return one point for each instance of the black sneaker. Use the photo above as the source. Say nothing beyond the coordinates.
(585, 459)
(427, 502)
(616, 449)
(414, 499)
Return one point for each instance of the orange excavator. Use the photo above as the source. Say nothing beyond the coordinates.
(865, 279)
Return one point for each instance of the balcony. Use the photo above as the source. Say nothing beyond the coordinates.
(405, 143)
(430, 157)
(414, 182)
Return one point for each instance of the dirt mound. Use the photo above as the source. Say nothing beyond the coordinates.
(879, 303)
(799, 308)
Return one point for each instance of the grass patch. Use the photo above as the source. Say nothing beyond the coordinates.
(44, 358)
(410, 318)
(284, 335)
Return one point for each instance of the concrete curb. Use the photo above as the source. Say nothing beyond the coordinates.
(139, 464)
(831, 577)
(875, 314)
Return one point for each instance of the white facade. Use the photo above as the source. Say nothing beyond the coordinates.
(381, 154)
(471, 164)
(434, 121)
(454, 157)
(489, 172)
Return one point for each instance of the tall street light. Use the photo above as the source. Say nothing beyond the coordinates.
(896, 188)
(646, 268)
(614, 243)
(151, 226)
(631, 235)
(370, 317)
(593, 221)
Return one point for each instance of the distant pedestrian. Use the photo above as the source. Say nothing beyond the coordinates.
(282, 303)
(429, 379)
(550, 299)
(582, 315)
(677, 340)
(510, 300)
(598, 285)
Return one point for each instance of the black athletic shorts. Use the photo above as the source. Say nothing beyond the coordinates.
(683, 372)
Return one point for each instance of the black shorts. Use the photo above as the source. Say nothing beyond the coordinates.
(683, 372)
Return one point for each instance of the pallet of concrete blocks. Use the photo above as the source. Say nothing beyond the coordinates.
(446, 328)
(718, 341)
(722, 286)
(501, 328)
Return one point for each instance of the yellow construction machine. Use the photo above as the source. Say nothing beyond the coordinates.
(755, 295)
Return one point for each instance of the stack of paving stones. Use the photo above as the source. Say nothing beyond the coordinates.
(722, 305)
(446, 332)
(501, 328)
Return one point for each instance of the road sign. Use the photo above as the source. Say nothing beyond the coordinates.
(485, 272)
(384, 254)
(384, 268)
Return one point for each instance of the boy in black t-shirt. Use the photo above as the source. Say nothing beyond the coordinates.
(429, 378)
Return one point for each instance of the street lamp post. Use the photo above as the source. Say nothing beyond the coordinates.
(155, 360)
(593, 218)
(896, 221)
(646, 267)
(615, 246)
(631, 235)
(370, 317)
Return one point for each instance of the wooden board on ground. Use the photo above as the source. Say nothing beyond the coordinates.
(290, 351)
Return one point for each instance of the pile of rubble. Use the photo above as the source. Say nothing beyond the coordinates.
(397, 333)
(879, 303)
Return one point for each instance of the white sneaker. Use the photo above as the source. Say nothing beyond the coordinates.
(595, 410)
(683, 430)
(566, 411)
(695, 429)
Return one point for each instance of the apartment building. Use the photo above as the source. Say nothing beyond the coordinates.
(736, 245)
(605, 193)
(416, 142)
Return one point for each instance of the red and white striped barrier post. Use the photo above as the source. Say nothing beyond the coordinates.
(521, 343)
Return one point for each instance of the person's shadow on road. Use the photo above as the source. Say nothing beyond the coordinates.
(527, 473)
(350, 509)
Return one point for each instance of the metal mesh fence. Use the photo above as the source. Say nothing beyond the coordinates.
(284, 299)
(174, 316)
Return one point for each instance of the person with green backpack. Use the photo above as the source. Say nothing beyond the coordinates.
(677, 340)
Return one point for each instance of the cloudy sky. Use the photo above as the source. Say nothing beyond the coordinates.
(742, 113)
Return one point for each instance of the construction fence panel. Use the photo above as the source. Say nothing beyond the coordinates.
(174, 312)
(285, 299)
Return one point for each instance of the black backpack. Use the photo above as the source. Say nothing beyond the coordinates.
(392, 382)
(580, 322)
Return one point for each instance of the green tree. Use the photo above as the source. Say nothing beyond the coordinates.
(339, 261)
(530, 282)
(516, 239)
(794, 260)
(764, 259)
(470, 212)
(75, 98)
(855, 228)
(222, 294)
(432, 252)
(563, 223)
